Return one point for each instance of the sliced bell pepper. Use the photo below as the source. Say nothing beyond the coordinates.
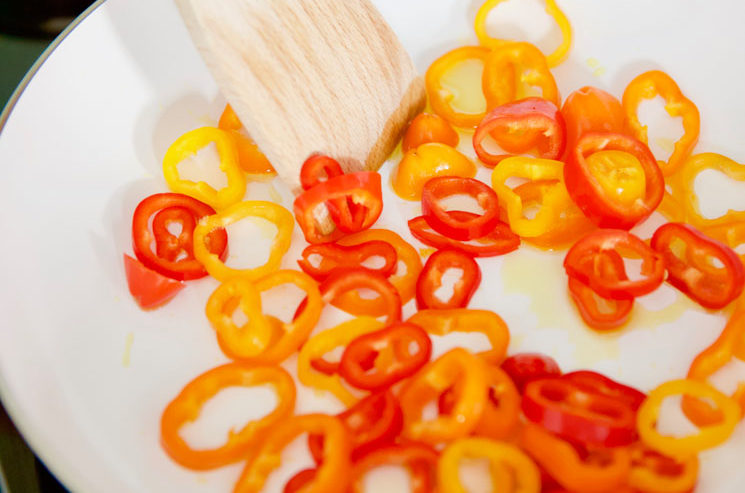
(373, 422)
(430, 280)
(345, 279)
(187, 145)
(251, 159)
(299, 481)
(730, 344)
(443, 322)
(595, 470)
(657, 473)
(317, 169)
(324, 342)
(512, 72)
(501, 240)
(683, 190)
(532, 125)
(457, 366)
(404, 279)
(419, 459)
(173, 255)
(246, 343)
(253, 337)
(427, 128)
(590, 110)
(501, 414)
(348, 216)
(555, 199)
(276, 214)
(462, 228)
(657, 83)
(571, 412)
(333, 473)
(379, 359)
(187, 406)
(523, 368)
(425, 162)
(591, 381)
(691, 261)
(587, 261)
(504, 459)
(599, 313)
(333, 255)
(731, 234)
(150, 289)
(552, 9)
(571, 223)
(614, 179)
(359, 191)
(707, 437)
(440, 97)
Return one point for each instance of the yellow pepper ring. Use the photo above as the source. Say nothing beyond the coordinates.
(326, 341)
(520, 468)
(251, 338)
(425, 162)
(188, 145)
(294, 333)
(682, 184)
(282, 219)
(439, 98)
(620, 175)
(532, 169)
(552, 9)
(706, 438)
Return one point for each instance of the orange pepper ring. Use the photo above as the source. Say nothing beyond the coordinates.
(430, 382)
(333, 473)
(658, 83)
(442, 322)
(438, 100)
(500, 79)
(186, 406)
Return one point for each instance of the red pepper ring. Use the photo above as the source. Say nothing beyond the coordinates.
(343, 279)
(348, 216)
(693, 271)
(591, 381)
(459, 227)
(364, 191)
(315, 167)
(499, 241)
(430, 280)
(587, 261)
(174, 255)
(531, 125)
(566, 409)
(419, 459)
(616, 313)
(593, 199)
(326, 367)
(373, 422)
(379, 359)
(167, 245)
(299, 481)
(334, 255)
(523, 368)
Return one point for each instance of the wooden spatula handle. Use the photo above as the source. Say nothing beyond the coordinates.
(309, 76)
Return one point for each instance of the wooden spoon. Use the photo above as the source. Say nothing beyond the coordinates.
(309, 76)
